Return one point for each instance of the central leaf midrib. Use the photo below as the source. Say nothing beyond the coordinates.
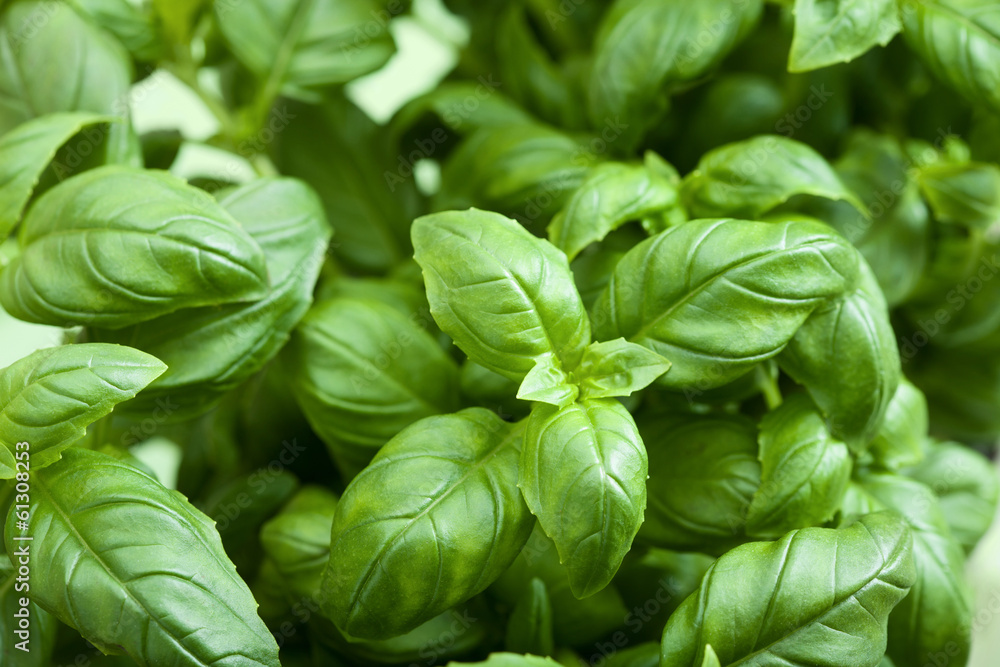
(473, 468)
(40, 485)
(644, 330)
(808, 623)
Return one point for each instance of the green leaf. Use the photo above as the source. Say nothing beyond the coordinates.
(178, 17)
(48, 398)
(937, 614)
(509, 660)
(959, 40)
(646, 50)
(296, 45)
(799, 600)
(699, 314)
(618, 368)
(162, 592)
(846, 344)
(828, 32)
(804, 471)
(967, 194)
(504, 296)
(966, 486)
(210, 350)
(703, 472)
(900, 440)
(895, 241)
(613, 194)
(41, 632)
(751, 177)
(45, 72)
(451, 107)
(529, 628)
(132, 245)
(524, 171)
(547, 383)
(530, 75)
(134, 26)
(710, 659)
(297, 541)
(587, 456)
(25, 152)
(574, 622)
(408, 537)
(361, 372)
(366, 186)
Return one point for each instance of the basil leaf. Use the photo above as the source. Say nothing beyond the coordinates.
(618, 368)
(967, 194)
(751, 177)
(532, 78)
(936, 615)
(653, 586)
(297, 541)
(210, 350)
(461, 107)
(43, 72)
(547, 383)
(804, 471)
(828, 32)
(361, 372)
(505, 297)
(895, 242)
(958, 41)
(48, 398)
(966, 486)
(794, 611)
(613, 194)
(25, 152)
(365, 185)
(710, 659)
(389, 537)
(295, 45)
(457, 632)
(845, 344)
(23, 647)
(510, 660)
(529, 629)
(696, 315)
(123, 260)
(703, 473)
(575, 622)
(900, 440)
(962, 410)
(648, 49)
(178, 17)
(587, 456)
(134, 26)
(524, 171)
(162, 592)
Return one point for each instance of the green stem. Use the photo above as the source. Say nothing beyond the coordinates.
(768, 384)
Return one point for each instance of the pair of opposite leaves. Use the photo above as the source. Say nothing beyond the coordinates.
(508, 300)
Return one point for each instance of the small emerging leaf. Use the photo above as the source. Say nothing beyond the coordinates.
(618, 368)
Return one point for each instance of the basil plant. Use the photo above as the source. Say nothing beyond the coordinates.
(645, 333)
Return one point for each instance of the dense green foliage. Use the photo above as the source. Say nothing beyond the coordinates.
(658, 333)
